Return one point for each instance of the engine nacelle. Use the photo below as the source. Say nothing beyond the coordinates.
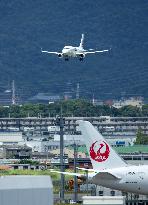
(60, 55)
(82, 55)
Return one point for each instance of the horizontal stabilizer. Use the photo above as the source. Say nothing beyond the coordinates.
(89, 170)
(67, 173)
(106, 176)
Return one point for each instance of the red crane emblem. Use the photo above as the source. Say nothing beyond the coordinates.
(99, 156)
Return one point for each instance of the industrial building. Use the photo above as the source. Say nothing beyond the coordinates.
(22, 190)
(15, 152)
(38, 123)
(9, 137)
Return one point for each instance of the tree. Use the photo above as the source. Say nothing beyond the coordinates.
(145, 110)
(130, 111)
(141, 139)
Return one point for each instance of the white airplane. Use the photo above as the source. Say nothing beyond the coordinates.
(71, 51)
(109, 169)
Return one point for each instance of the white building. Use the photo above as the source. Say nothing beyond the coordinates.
(137, 102)
(90, 200)
(69, 138)
(53, 129)
(35, 145)
(22, 190)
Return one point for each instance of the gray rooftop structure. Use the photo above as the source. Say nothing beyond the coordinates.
(26, 190)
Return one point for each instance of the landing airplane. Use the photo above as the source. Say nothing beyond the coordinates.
(71, 51)
(109, 169)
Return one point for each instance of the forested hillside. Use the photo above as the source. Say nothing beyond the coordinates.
(26, 26)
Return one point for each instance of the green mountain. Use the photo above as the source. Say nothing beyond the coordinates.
(26, 26)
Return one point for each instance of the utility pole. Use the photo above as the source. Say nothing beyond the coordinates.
(13, 93)
(93, 100)
(78, 91)
(87, 182)
(60, 121)
(75, 177)
(86, 167)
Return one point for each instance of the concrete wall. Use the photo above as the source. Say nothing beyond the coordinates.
(107, 200)
(11, 137)
(26, 190)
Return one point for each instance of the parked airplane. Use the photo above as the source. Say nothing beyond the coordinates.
(71, 51)
(109, 169)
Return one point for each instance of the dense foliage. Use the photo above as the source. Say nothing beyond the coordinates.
(141, 138)
(76, 108)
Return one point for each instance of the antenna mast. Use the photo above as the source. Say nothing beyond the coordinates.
(78, 91)
(13, 93)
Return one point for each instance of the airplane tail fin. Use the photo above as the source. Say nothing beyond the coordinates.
(101, 153)
(82, 41)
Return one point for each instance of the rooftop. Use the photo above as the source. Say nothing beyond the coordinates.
(123, 150)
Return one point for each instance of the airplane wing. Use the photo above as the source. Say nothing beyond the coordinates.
(81, 176)
(51, 52)
(101, 51)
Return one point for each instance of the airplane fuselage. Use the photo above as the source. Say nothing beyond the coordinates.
(70, 51)
(131, 179)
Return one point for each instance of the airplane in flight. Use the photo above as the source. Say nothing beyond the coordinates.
(109, 169)
(71, 51)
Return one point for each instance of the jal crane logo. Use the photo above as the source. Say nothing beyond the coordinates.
(99, 156)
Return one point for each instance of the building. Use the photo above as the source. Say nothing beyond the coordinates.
(104, 200)
(27, 166)
(41, 124)
(15, 152)
(35, 145)
(22, 190)
(72, 138)
(44, 98)
(138, 102)
(9, 137)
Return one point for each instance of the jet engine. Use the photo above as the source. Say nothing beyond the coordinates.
(60, 55)
(82, 55)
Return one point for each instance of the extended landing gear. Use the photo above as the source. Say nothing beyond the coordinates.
(80, 59)
(66, 59)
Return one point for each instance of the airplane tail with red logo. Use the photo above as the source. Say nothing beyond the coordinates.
(102, 155)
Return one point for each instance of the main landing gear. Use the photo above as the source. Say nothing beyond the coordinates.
(80, 59)
(66, 58)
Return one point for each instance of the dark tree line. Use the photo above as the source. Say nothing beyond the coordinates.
(141, 138)
(76, 108)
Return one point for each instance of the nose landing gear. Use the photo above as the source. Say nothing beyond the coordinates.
(66, 58)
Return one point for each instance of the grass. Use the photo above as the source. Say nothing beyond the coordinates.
(54, 176)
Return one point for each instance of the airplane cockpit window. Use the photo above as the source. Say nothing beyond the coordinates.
(131, 173)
